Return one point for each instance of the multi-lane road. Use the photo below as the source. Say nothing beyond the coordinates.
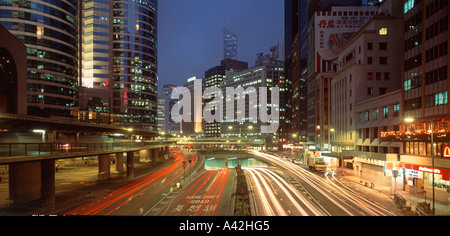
(140, 196)
(209, 195)
(311, 194)
(281, 189)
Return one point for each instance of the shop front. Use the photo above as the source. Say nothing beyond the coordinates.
(419, 180)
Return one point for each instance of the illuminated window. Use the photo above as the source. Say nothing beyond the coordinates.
(408, 5)
(383, 31)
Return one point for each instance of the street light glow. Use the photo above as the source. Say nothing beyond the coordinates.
(409, 119)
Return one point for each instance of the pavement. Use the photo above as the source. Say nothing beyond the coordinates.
(412, 200)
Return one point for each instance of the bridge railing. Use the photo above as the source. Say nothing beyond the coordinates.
(30, 149)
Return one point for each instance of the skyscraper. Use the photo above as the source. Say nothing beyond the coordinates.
(213, 78)
(119, 54)
(300, 103)
(229, 44)
(49, 30)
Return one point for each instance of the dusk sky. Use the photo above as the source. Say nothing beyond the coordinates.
(190, 34)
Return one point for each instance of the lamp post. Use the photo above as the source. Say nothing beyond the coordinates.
(332, 130)
(409, 120)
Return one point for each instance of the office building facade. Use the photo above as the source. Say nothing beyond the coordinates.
(49, 30)
(425, 98)
(230, 44)
(119, 57)
(214, 78)
(270, 74)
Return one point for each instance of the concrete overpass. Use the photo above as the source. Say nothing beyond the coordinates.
(195, 142)
(30, 146)
(32, 177)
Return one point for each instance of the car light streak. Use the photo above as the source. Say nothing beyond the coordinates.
(133, 190)
(341, 197)
(372, 207)
(268, 211)
(285, 186)
(201, 180)
(306, 176)
(214, 189)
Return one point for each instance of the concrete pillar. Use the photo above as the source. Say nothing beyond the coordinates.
(145, 155)
(104, 166)
(25, 181)
(130, 165)
(166, 150)
(155, 155)
(119, 162)
(48, 181)
(151, 157)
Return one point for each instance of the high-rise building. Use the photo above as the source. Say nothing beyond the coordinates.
(119, 55)
(162, 119)
(300, 103)
(13, 74)
(329, 31)
(192, 128)
(230, 40)
(425, 89)
(368, 68)
(269, 74)
(213, 78)
(49, 30)
(165, 121)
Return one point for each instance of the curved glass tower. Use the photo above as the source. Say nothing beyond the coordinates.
(119, 53)
(49, 31)
(135, 61)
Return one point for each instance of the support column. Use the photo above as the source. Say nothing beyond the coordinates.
(119, 162)
(166, 150)
(25, 181)
(144, 155)
(48, 181)
(130, 165)
(155, 155)
(151, 156)
(104, 166)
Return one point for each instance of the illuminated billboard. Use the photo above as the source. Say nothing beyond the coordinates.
(333, 29)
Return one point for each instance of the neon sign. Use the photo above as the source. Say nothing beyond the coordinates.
(445, 151)
(430, 170)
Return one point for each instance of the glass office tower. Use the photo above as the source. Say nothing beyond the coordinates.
(49, 30)
(229, 44)
(119, 53)
(135, 61)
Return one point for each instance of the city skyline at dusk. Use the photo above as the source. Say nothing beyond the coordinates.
(191, 42)
(236, 108)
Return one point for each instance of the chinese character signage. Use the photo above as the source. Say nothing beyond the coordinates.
(333, 29)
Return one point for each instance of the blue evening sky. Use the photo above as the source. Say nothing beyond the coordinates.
(190, 34)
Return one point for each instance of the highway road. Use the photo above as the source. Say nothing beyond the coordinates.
(322, 194)
(208, 195)
(271, 195)
(140, 196)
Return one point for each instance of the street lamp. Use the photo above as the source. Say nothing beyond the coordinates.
(332, 130)
(411, 119)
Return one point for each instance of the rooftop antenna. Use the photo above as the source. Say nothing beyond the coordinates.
(227, 22)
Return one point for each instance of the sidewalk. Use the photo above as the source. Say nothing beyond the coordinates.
(442, 209)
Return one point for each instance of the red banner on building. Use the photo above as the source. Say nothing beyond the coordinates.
(440, 171)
